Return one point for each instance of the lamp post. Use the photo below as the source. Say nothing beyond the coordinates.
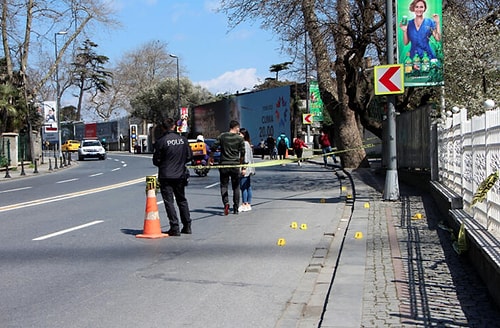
(58, 93)
(178, 84)
(306, 59)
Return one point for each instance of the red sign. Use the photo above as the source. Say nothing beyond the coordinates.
(50, 129)
(90, 131)
(307, 118)
(389, 79)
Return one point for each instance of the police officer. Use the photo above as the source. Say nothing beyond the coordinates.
(171, 154)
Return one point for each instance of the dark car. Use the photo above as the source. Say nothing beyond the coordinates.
(210, 142)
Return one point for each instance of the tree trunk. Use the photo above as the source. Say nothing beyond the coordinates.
(333, 91)
(5, 38)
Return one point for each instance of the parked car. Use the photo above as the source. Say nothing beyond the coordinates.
(70, 145)
(91, 149)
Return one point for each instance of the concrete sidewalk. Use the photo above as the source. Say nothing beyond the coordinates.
(47, 166)
(403, 272)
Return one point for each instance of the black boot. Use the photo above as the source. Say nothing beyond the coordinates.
(186, 229)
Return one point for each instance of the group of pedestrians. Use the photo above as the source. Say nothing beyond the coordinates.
(172, 152)
(236, 152)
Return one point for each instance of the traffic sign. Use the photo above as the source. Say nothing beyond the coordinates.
(307, 118)
(389, 79)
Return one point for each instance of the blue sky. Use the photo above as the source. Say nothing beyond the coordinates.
(210, 54)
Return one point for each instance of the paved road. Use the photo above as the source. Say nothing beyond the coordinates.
(362, 264)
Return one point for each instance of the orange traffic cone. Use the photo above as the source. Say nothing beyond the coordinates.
(152, 227)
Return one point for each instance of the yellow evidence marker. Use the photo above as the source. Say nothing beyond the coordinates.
(303, 226)
(294, 225)
(358, 235)
(367, 205)
(418, 216)
(281, 242)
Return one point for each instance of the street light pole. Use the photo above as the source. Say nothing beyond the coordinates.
(178, 84)
(306, 59)
(391, 189)
(58, 93)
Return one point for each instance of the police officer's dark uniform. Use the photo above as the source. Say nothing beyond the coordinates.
(171, 154)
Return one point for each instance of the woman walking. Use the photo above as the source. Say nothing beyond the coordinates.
(246, 173)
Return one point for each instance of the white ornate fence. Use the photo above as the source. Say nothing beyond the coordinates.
(469, 151)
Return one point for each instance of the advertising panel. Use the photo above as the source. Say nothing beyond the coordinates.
(262, 113)
(49, 112)
(419, 42)
(315, 102)
(265, 113)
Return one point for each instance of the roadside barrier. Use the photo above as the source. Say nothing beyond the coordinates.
(152, 226)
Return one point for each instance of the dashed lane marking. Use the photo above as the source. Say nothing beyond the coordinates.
(61, 232)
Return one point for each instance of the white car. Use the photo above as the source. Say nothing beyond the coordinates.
(91, 149)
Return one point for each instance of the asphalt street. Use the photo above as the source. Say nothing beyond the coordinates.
(313, 252)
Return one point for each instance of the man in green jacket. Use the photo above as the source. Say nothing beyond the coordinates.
(232, 150)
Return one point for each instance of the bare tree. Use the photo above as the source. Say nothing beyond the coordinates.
(146, 66)
(344, 34)
(340, 33)
(28, 32)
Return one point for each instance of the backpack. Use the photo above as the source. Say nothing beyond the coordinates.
(282, 143)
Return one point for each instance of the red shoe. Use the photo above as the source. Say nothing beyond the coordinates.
(226, 209)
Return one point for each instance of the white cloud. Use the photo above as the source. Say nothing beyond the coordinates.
(230, 82)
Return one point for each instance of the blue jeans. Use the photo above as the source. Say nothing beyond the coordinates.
(246, 190)
(327, 150)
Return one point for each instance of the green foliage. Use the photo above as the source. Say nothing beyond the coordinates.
(472, 60)
(89, 73)
(157, 103)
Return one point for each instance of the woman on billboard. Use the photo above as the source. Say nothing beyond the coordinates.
(418, 30)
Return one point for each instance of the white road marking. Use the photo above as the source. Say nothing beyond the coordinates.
(68, 196)
(113, 170)
(95, 175)
(17, 189)
(212, 185)
(69, 180)
(61, 232)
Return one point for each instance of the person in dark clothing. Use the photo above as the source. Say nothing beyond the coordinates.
(232, 149)
(270, 145)
(171, 153)
(283, 143)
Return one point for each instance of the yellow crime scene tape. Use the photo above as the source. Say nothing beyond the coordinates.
(281, 161)
(484, 187)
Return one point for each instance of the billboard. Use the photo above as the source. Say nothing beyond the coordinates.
(49, 112)
(262, 113)
(315, 102)
(419, 42)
